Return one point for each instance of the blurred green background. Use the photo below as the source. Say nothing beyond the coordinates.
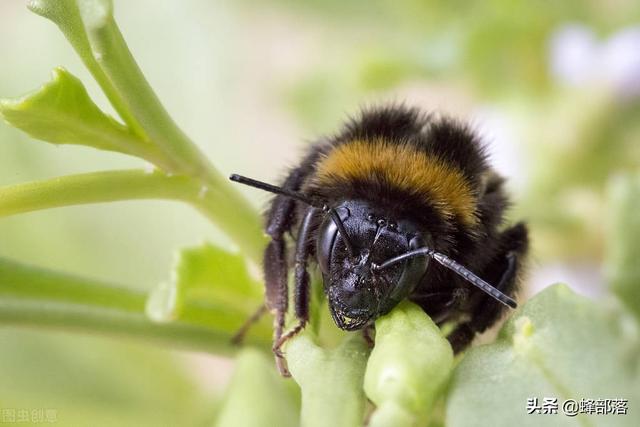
(553, 87)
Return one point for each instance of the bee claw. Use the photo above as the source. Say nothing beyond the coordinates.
(281, 364)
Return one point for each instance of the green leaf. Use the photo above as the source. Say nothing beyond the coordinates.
(408, 367)
(40, 298)
(91, 29)
(213, 288)
(623, 256)
(74, 20)
(330, 380)
(61, 112)
(257, 395)
(208, 273)
(560, 345)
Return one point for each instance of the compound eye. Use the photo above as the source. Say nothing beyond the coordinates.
(417, 242)
(414, 268)
(327, 237)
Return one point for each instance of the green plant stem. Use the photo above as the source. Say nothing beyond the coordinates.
(34, 297)
(229, 211)
(92, 31)
(110, 322)
(118, 63)
(94, 188)
(219, 206)
(127, 78)
(66, 15)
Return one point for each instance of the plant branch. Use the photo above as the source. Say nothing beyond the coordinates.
(94, 187)
(35, 297)
(119, 185)
(91, 29)
(123, 71)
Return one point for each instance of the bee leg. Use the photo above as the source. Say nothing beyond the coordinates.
(301, 277)
(277, 292)
(516, 243)
(276, 297)
(280, 219)
(504, 272)
(486, 313)
(276, 269)
(447, 299)
(461, 337)
(238, 337)
(366, 334)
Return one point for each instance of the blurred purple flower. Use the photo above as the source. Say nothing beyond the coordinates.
(577, 58)
(620, 59)
(573, 51)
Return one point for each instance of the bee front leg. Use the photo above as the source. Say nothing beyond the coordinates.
(304, 248)
(255, 317)
(277, 293)
(280, 219)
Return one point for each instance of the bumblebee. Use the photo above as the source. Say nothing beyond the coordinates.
(399, 204)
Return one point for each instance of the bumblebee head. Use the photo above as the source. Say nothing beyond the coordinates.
(352, 243)
(369, 261)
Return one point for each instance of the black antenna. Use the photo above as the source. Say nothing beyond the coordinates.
(336, 218)
(455, 267)
(300, 197)
(274, 189)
